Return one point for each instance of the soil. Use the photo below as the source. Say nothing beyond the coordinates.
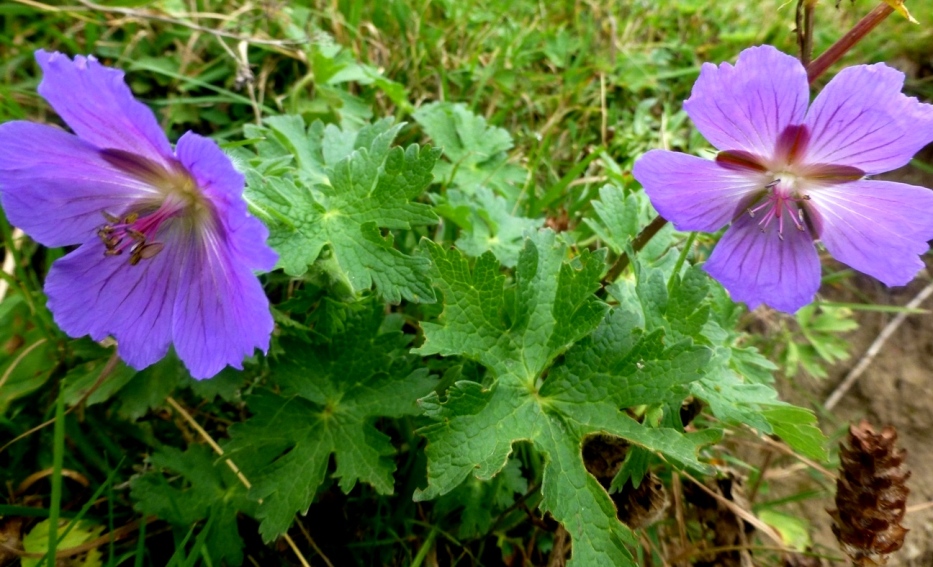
(896, 389)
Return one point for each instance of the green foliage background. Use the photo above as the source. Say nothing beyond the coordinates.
(447, 184)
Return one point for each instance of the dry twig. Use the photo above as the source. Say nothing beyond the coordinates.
(875, 348)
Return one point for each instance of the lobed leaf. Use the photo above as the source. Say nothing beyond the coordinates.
(329, 397)
(486, 223)
(345, 191)
(560, 371)
(476, 151)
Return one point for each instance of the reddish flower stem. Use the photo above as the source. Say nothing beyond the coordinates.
(643, 238)
(845, 43)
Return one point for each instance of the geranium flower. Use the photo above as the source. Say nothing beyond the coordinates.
(786, 176)
(167, 247)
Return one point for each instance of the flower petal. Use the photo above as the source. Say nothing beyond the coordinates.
(222, 184)
(55, 186)
(98, 105)
(221, 312)
(758, 267)
(861, 119)
(93, 294)
(748, 106)
(210, 167)
(695, 193)
(877, 227)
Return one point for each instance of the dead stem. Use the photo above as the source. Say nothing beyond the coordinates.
(875, 348)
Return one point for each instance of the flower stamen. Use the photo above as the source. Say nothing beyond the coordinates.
(137, 233)
(779, 203)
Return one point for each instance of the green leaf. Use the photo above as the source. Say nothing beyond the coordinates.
(519, 333)
(486, 224)
(208, 490)
(37, 540)
(346, 190)
(226, 385)
(131, 393)
(682, 311)
(735, 381)
(28, 357)
(819, 342)
(797, 427)
(730, 398)
(634, 468)
(481, 501)
(149, 387)
(476, 152)
(618, 217)
(330, 396)
(795, 532)
(333, 65)
(738, 402)
(748, 362)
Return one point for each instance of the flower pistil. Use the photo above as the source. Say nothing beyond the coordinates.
(781, 200)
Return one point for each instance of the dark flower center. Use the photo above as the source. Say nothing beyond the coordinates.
(786, 182)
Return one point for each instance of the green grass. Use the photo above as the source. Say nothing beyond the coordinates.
(583, 86)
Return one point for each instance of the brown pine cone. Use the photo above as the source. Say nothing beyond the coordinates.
(871, 495)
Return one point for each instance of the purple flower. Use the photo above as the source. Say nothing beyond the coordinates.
(786, 176)
(167, 247)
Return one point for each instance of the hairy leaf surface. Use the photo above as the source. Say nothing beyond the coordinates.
(560, 369)
(486, 223)
(329, 397)
(339, 194)
(476, 151)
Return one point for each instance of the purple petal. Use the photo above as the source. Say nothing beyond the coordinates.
(93, 294)
(861, 119)
(55, 186)
(96, 103)
(877, 227)
(748, 106)
(694, 193)
(210, 167)
(223, 186)
(221, 312)
(758, 267)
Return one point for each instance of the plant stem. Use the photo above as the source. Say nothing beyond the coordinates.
(640, 241)
(58, 459)
(845, 43)
(141, 546)
(805, 9)
(425, 548)
(681, 259)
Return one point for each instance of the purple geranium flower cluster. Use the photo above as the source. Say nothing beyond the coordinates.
(167, 247)
(786, 176)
